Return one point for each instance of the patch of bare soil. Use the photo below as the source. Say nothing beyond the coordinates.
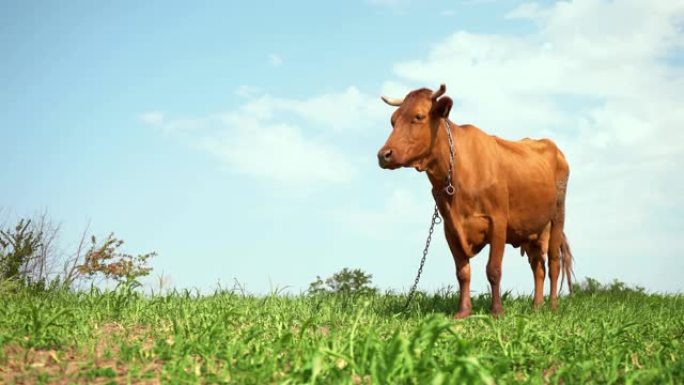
(95, 362)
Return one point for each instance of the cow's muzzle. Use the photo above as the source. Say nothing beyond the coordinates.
(385, 159)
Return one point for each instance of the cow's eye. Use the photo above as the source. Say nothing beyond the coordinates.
(420, 117)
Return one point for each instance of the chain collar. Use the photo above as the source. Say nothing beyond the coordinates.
(449, 189)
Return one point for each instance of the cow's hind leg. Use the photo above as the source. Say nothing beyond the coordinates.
(537, 252)
(536, 259)
(555, 260)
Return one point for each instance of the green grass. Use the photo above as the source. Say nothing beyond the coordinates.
(608, 335)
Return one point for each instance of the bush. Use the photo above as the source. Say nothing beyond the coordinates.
(345, 281)
(592, 286)
(18, 248)
(28, 258)
(107, 260)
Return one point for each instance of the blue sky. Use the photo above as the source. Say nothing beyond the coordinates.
(238, 140)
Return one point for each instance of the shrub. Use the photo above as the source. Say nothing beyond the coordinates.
(592, 286)
(345, 281)
(107, 260)
(28, 257)
(18, 248)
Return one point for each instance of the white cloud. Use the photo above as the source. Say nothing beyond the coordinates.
(524, 11)
(402, 211)
(276, 151)
(246, 91)
(275, 60)
(153, 118)
(291, 141)
(345, 111)
(595, 77)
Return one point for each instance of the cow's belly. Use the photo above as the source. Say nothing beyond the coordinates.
(476, 232)
(532, 195)
(528, 219)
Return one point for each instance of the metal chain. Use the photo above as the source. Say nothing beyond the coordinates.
(435, 220)
(449, 189)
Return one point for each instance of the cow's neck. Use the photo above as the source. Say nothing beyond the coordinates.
(438, 166)
(437, 173)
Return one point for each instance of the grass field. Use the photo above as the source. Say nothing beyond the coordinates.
(601, 335)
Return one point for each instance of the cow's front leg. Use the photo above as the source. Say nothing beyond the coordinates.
(496, 251)
(463, 274)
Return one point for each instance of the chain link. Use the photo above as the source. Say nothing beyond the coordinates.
(449, 189)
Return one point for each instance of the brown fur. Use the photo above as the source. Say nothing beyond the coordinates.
(505, 192)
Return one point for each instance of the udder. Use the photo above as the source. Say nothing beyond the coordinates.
(537, 245)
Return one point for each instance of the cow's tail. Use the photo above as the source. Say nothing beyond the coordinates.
(566, 264)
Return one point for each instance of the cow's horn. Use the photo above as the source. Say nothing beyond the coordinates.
(392, 101)
(439, 92)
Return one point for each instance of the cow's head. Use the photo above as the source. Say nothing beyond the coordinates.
(414, 128)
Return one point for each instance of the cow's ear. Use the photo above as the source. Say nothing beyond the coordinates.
(442, 107)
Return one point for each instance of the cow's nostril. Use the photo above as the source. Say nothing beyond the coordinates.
(387, 155)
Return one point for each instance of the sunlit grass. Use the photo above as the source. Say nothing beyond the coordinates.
(603, 335)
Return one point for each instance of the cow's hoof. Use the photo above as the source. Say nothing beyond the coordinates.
(497, 312)
(554, 305)
(537, 306)
(462, 314)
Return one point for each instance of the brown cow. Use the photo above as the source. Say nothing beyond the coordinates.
(503, 191)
